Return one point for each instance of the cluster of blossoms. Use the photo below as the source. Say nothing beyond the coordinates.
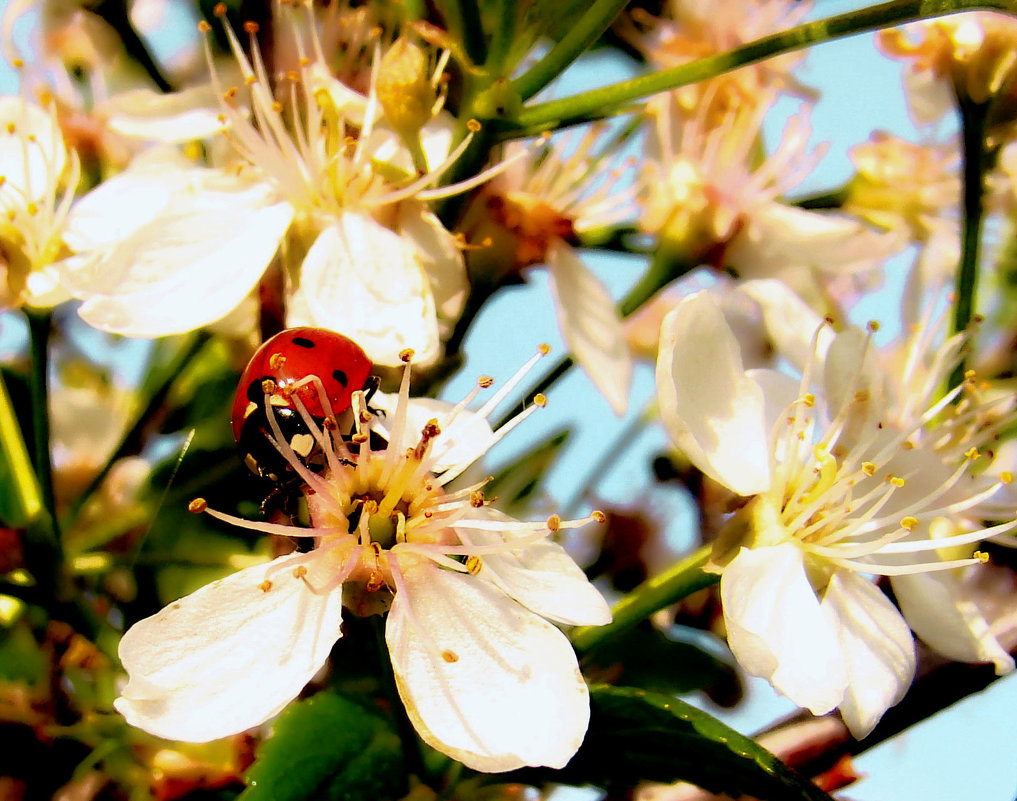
(339, 180)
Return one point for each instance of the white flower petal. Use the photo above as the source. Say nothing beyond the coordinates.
(790, 322)
(944, 615)
(365, 281)
(777, 630)
(442, 258)
(541, 576)
(174, 117)
(468, 437)
(590, 325)
(232, 654)
(713, 411)
(879, 652)
(185, 269)
(484, 680)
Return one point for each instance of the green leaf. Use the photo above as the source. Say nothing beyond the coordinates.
(647, 658)
(516, 482)
(327, 748)
(641, 736)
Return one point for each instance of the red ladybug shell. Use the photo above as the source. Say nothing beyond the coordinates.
(292, 355)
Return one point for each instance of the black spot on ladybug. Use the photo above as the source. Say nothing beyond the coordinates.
(255, 392)
(303, 342)
(340, 376)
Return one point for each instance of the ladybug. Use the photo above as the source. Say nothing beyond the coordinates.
(303, 363)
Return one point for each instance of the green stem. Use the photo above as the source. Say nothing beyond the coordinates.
(39, 325)
(22, 498)
(462, 17)
(973, 120)
(501, 36)
(577, 41)
(679, 581)
(609, 100)
(132, 437)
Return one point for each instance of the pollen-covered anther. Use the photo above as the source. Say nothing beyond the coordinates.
(265, 586)
(474, 564)
(540, 400)
(269, 387)
(897, 481)
(909, 523)
(406, 355)
(477, 499)
(872, 326)
(598, 516)
(375, 581)
(299, 571)
(219, 10)
(485, 382)
(359, 439)
(869, 468)
(554, 523)
(251, 27)
(809, 400)
(1006, 477)
(276, 360)
(204, 27)
(197, 506)
(472, 125)
(543, 349)
(862, 396)
(972, 453)
(449, 656)
(330, 424)
(981, 556)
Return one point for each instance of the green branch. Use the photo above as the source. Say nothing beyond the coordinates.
(973, 120)
(577, 41)
(679, 581)
(609, 100)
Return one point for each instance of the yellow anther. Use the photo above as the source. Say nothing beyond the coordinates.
(873, 326)
(406, 355)
(204, 27)
(869, 468)
(473, 125)
(375, 581)
(809, 400)
(477, 499)
(972, 453)
(10, 128)
(540, 400)
(197, 506)
(250, 80)
(909, 523)
(543, 349)
(299, 571)
(598, 516)
(1006, 476)
(474, 564)
(897, 481)
(292, 76)
(969, 375)
(359, 439)
(908, 445)
(251, 27)
(276, 360)
(268, 386)
(862, 396)
(277, 107)
(449, 656)
(485, 382)
(265, 586)
(17, 63)
(553, 523)
(981, 556)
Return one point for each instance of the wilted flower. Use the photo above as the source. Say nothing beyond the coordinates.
(844, 468)
(483, 675)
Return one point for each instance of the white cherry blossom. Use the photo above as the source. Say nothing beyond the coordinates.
(484, 676)
(844, 466)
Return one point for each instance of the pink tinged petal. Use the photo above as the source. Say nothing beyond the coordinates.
(777, 630)
(484, 680)
(541, 576)
(944, 615)
(186, 268)
(365, 281)
(590, 325)
(714, 411)
(879, 651)
(33, 157)
(175, 117)
(232, 654)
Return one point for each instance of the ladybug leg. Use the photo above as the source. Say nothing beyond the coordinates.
(371, 386)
